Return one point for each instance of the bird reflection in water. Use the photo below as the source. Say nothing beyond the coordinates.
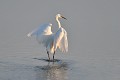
(53, 71)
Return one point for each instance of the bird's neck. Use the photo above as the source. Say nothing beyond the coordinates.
(59, 24)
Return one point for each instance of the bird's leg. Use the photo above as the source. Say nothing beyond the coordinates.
(53, 55)
(48, 55)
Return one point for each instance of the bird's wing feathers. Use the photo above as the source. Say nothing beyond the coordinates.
(44, 29)
(64, 43)
(60, 40)
(42, 33)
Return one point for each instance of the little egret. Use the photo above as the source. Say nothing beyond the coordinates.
(51, 40)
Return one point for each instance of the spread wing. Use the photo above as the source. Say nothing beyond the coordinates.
(42, 33)
(44, 29)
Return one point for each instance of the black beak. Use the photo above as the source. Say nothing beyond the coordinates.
(63, 17)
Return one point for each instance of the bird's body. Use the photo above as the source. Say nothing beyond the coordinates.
(51, 40)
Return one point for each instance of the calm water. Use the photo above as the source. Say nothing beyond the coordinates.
(93, 33)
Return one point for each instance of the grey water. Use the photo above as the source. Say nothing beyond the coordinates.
(93, 33)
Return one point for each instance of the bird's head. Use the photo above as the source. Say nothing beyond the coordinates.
(60, 16)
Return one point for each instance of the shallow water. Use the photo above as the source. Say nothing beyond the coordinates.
(43, 70)
(85, 67)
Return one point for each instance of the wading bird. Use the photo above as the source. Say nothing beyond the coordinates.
(51, 40)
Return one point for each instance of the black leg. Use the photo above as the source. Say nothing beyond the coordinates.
(53, 55)
(48, 55)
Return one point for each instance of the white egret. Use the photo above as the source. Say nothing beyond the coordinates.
(51, 40)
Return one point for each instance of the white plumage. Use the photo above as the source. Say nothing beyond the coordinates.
(51, 40)
(60, 40)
